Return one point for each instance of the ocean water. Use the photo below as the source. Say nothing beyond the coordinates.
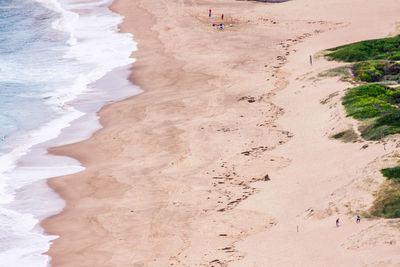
(60, 62)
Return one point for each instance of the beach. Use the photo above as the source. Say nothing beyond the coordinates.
(225, 158)
(54, 69)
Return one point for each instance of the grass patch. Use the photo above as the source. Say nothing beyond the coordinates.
(370, 131)
(346, 136)
(376, 71)
(338, 71)
(387, 201)
(345, 73)
(392, 173)
(379, 104)
(386, 48)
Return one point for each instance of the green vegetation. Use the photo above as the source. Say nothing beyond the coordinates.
(371, 100)
(392, 173)
(387, 201)
(379, 104)
(345, 73)
(376, 71)
(376, 105)
(346, 136)
(386, 48)
(338, 71)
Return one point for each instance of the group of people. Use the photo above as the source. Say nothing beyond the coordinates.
(209, 14)
(220, 26)
(358, 220)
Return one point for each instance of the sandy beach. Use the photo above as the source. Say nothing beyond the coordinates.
(225, 158)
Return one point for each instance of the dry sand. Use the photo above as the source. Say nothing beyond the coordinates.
(225, 159)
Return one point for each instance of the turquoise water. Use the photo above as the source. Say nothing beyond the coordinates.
(30, 56)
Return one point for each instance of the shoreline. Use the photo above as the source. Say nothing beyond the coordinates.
(182, 184)
(57, 99)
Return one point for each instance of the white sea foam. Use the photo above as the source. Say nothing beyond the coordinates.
(67, 21)
(100, 62)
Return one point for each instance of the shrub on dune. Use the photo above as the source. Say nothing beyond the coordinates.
(385, 48)
(378, 103)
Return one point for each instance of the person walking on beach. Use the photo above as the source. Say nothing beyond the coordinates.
(209, 13)
(358, 219)
(222, 16)
(337, 222)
